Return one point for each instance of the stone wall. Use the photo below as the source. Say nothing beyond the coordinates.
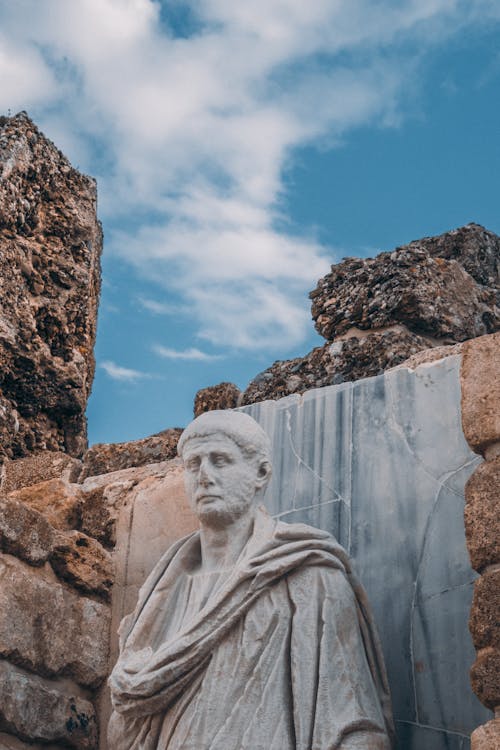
(481, 424)
(55, 614)
(50, 246)
(382, 464)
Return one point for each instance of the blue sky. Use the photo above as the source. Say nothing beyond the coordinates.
(240, 149)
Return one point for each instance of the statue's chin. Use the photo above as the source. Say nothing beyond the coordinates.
(218, 515)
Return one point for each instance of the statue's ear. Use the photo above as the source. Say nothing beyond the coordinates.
(263, 474)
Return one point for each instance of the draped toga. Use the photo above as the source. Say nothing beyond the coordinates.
(280, 653)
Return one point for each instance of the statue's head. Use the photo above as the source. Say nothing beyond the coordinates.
(227, 459)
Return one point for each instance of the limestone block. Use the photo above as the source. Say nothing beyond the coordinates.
(482, 515)
(58, 500)
(221, 396)
(105, 458)
(485, 677)
(484, 620)
(24, 532)
(481, 391)
(36, 710)
(83, 563)
(105, 495)
(47, 628)
(39, 468)
(486, 737)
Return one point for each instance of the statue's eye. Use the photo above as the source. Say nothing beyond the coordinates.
(192, 464)
(219, 460)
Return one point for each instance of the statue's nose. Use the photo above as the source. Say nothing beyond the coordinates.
(205, 477)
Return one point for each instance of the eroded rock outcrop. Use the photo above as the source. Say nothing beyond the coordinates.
(50, 246)
(378, 312)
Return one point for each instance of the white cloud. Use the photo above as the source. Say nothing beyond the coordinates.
(192, 354)
(124, 374)
(198, 130)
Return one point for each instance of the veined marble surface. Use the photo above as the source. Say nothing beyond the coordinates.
(382, 463)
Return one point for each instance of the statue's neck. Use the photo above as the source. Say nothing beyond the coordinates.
(222, 546)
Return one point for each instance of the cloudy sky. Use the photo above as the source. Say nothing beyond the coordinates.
(242, 147)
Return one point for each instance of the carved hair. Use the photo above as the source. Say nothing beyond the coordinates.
(239, 427)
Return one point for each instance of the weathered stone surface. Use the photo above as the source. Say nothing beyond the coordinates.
(82, 562)
(48, 629)
(221, 396)
(343, 361)
(36, 710)
(482, 515)
(104, 458)
(58, 500)
(485, 677)
(24, 532)
(445, 287)
(38, 468)
(50, 245)
(481, 392)
(484, 620)
(486, 737)
(147, 510)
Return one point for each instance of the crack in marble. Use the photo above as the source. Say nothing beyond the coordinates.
(308, 507)
(425, 599)
(435, 729)
(301, 461)
(413, 607)
(398, 428)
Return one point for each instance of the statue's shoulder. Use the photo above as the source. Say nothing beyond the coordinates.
(302, 532)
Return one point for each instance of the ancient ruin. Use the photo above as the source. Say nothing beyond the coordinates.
(380, 431)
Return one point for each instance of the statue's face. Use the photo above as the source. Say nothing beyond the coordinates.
(220, 480)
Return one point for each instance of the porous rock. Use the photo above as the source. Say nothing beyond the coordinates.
(39, 468)
(331, 364)
(36, 710)
(444, 287)
(50, 246)
(480, 380)
(83, 563)
(482, 515)
(221, 396)
(487, 736)
(103, 458)
(47, 628)
(484, 622)
(24, 532)
(59, 501)
(485, 677)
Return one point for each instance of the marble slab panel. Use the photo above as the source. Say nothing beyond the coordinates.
(382, 463)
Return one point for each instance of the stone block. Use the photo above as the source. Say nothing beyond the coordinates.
(481, 391)
(106, 458)
(484, 620)
(482, 515)
(36, 710)
(83, 563)
(47, 628)
(487, 736)
(221, 396)
(58, 500)
(39, 468)
(485, 677)
(24, 532)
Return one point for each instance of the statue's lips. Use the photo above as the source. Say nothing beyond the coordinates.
(207, 498)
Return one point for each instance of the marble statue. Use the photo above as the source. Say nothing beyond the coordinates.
(250, 634)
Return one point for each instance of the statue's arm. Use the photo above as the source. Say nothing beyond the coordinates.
(335, 702)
